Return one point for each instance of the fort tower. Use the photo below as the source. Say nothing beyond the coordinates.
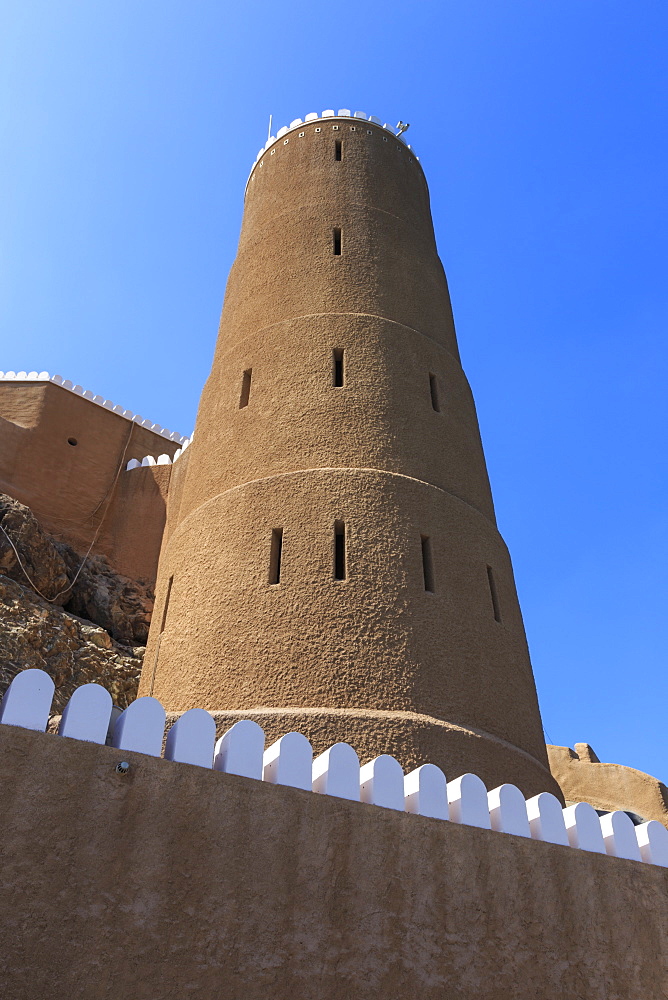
(331, 562)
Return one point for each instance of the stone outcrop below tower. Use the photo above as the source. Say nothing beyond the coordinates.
(332, 562)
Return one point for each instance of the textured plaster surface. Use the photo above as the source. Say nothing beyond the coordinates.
(608, 786)
(373, 453)
(70, 487)
(172, 881)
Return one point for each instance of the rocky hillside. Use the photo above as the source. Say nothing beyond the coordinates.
(94, 630)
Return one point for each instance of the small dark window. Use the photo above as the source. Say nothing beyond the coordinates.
(427, 564)
(338, 372)
(72, 441)
(337, 242)
(493, 594)
(245, 388)
(433, 388)
(339, 550)
(338, 149)
(275, 555)
(166, 604)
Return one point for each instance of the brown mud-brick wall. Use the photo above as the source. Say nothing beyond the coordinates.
(60, 455)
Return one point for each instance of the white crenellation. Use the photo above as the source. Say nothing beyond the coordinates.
(426, 792)
(508, 811)
(191, 738)
(337, 772)
(160, 460)
(289, 761)
(140, 727)
(619, 836)
(87, 714)
(99, 400)
(546, 819)
(313, 116)
(382, 783)
(240, 750)
(467, 801)
(27, 700)
(652, 840)
(584, 828)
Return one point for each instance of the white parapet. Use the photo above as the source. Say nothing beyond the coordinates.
(337, 772)
(141, 727)
(240, 750)
(508, 811)
(289, 761)
(653, 843)
(426, 792)
(546, 819)
(382, 782)
(619, 836)
(27, 700)
(467, 800)
(86, 715)
(584, 828)
(190, 740)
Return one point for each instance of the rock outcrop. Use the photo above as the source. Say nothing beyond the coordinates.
(79, 624)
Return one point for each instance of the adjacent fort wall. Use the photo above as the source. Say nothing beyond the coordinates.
(172, 878)
(71, 486)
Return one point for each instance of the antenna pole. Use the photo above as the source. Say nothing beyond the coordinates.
(269, 129)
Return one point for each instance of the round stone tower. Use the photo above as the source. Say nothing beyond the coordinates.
(333, 563)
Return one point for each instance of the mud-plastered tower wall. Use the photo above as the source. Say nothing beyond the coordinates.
(335, 564)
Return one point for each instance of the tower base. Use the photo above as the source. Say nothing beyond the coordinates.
(412, 738)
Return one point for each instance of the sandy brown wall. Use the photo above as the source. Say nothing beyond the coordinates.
(67, 485)
(582, 777)
(172, 881)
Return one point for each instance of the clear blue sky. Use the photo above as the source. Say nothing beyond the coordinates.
(128, 130)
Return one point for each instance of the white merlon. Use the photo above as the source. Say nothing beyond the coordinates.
(313, 116)
(151, 460)
(78, 390)
(289, 761)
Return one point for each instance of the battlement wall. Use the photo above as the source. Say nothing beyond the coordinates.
(258, 888)
(63, 452)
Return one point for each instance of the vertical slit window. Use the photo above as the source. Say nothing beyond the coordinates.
(166, 605)
(245, 388)
(433, 389)
(493, 594)
(427, 564)
(337, 241)
(338, 149)
(275, 555)
(339, 550)
(338, 370)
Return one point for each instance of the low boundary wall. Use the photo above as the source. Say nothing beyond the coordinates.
(171, 881)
